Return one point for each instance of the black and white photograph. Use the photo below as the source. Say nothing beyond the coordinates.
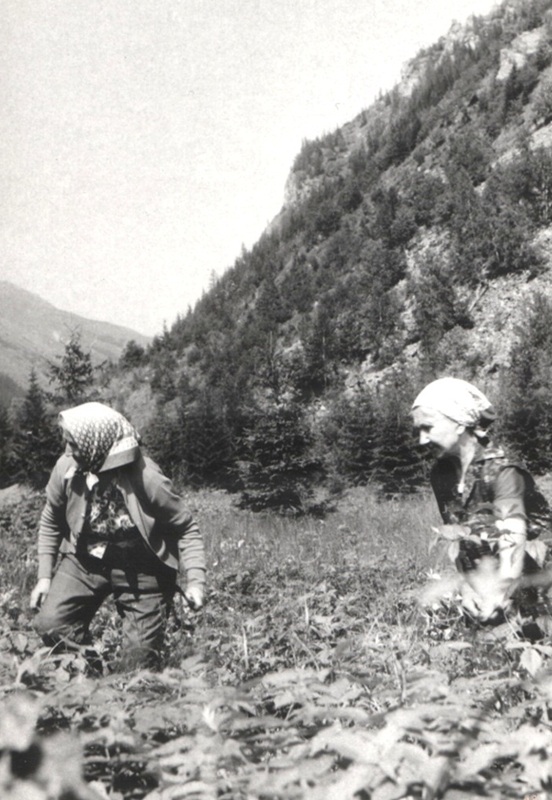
(276, 400)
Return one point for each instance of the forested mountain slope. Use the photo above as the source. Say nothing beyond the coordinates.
(413, 242)
(32, 333)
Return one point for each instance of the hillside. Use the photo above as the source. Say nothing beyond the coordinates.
(411, 243)
(32, 332)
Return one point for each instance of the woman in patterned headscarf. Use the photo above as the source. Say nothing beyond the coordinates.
(120, 529)
(481, 492)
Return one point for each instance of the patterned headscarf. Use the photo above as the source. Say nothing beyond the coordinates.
(104, 437)
(458, 400)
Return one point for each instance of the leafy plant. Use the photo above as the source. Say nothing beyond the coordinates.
(312, 673)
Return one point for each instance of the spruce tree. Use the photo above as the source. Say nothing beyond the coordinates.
(6, 434)
(527, 388)
(74, 374)
(277, 468)
(399, 468)
(36, 443)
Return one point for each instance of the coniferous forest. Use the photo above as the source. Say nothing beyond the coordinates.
(413, 242)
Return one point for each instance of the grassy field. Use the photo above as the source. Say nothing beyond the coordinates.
(311, 673)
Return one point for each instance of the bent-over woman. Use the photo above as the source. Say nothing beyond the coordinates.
(120, 529)
(482, 492)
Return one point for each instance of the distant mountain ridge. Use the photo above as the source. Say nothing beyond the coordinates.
(33, 332)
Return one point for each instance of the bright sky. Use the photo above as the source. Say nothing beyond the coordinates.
(142, 142)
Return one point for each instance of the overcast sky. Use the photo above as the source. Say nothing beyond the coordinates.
(142, 142)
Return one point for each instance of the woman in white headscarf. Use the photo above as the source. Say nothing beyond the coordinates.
(480, 492)
(120, 529)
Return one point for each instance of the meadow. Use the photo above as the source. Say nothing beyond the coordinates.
(312, 672)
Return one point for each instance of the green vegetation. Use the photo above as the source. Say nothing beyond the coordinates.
(312, 673)
(280, 404)
(378, 273)
(281, 383)
(527, 401)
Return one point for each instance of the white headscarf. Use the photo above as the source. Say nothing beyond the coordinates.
(105, 438)
(458, 400)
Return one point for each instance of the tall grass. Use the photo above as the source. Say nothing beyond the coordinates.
(285, 591)
(399, 530)
(249, 554)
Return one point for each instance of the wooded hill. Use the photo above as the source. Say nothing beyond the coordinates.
(33, 332)
(414, 242)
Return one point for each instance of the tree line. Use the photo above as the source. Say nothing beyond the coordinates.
(262, 388)
(274, 450)
(29, 439)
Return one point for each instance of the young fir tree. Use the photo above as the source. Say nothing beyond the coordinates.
(527, 389)
(162, 438)
(74, 374)
(350, 434)
(437, 309)
(207, 443)
(317, 370)
(6, 434)
(36, 443)
(399, 468)
(277, 468)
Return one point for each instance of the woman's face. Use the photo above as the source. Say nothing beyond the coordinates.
(438, 432)
(72, 446)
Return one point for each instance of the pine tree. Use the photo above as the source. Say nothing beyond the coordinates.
(399, 468)
(36, 443)
(6, 434)
(74, 374)
(277, 468)
(527, 389)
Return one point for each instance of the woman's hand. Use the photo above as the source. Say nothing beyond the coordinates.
(194, 596)
(484, 591)
(38, 595)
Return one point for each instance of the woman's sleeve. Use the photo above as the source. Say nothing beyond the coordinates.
(49, 539)
(192, 554)
(509, 495)
(511, 520)
(170, 509)
(52, 521)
